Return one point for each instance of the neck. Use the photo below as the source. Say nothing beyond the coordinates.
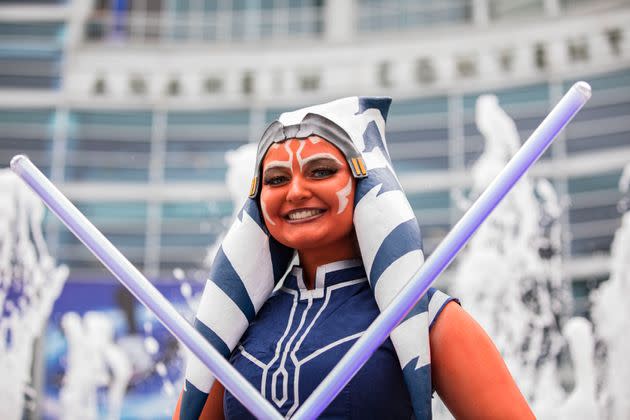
(310, 259)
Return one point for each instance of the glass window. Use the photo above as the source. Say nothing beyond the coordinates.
(123, 223)
(581, 290)
(417, 107)
(598, 142)
(402, 15)
(210, 20)
(417, 134)
(432, 235)
(119, 212)
(589, 214)
(273, 114)
(537, 94)
(189, 229)
(419, 149)
(196, 211)
(597, 112)
(432, 209)
(31, 54)
(428, 135)
(606, 181)
(608, 81)
(29, 132)
(421, 164)
(109, 146)
(430, 200)
(197, 143)
(591, 245)
(501, 9)
(604, 121)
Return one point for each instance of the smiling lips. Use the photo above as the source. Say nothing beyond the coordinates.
(303, 215)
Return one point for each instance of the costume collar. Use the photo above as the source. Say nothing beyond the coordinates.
(326, 275)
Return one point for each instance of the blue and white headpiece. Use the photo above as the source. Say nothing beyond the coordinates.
(250, 263)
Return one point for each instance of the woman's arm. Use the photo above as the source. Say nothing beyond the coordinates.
(213, 409)
(468, 372)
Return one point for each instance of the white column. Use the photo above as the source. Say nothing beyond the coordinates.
(61, 132)
(340, 19)
(157, 164)
(481, 12)
(552, 8)
(456, 150)
(80, 11)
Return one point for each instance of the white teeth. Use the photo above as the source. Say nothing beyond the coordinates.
(303, 214)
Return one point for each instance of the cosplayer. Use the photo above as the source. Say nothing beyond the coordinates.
(324, 188)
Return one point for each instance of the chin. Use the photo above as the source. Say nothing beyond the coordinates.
(314, 242)
(307, 242)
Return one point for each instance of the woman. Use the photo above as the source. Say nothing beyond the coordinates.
(324, 187)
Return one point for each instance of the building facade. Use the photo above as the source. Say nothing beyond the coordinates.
(130, 105)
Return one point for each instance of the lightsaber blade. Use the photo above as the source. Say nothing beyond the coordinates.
(389, 318)
(142, 288)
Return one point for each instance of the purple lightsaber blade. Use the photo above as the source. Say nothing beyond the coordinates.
(383, 325)
(142, 288)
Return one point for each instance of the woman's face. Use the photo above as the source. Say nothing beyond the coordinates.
(307, 193)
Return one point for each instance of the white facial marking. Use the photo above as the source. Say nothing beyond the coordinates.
(282, 163)
(314, 140)
(278, 164)
(299, 154)
(343, 194)
(265, 214)
(320, 156)
(275, 146)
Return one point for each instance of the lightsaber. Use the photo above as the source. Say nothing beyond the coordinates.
(142, 288)
(391, 316)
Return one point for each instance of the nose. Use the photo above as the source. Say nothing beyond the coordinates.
(298, 190)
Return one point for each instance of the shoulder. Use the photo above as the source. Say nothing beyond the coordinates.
(436, 302)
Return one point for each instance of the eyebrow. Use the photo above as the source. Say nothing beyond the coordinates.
(274, 164)
(318, 156)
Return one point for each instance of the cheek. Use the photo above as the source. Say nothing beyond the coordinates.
(345, 196)
(338, 193)
(270, 204)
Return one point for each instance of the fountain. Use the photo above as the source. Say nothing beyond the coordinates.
(94, 360)
(581, 402)
(509, 277)
(611, 317)
(30, 282)
(77, 396)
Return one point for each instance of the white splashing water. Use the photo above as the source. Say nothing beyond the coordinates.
(30, 282)
(611, 317)
(509, 277)
(94, 361)
(581, 402)
(238, 178)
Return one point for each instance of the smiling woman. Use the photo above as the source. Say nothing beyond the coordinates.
(304, 200)
(324, 187)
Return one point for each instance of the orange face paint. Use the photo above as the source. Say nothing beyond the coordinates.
(307, 193)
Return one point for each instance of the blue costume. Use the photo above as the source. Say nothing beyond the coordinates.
(299, 335)
(250, 263)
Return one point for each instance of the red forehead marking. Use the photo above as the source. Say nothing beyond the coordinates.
(310, 148)
(295, 150)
